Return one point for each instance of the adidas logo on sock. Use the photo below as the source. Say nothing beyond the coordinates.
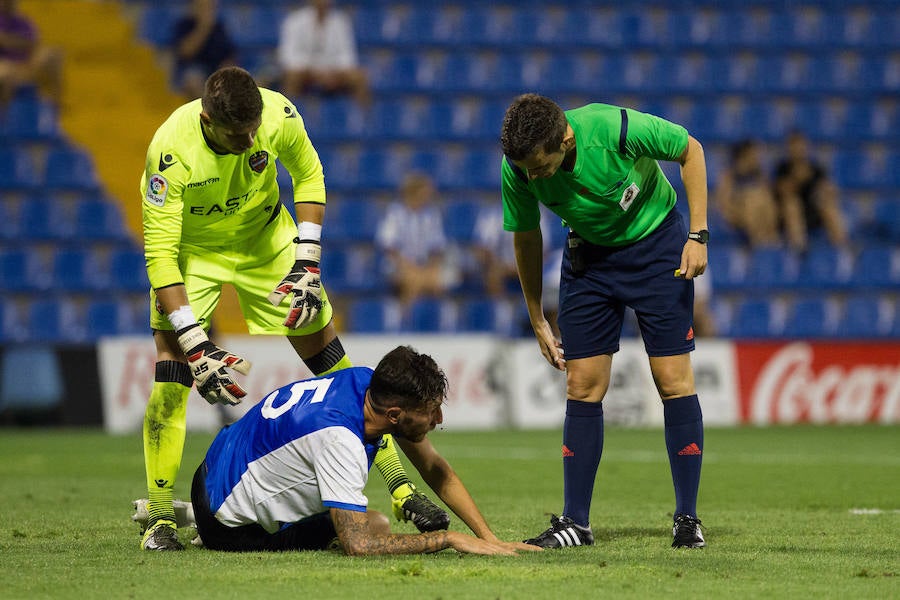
(691, 449)
(567, 452)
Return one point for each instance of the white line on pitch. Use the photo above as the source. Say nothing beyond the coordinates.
(875, 511)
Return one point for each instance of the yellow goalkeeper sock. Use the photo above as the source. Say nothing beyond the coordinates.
(388, 462)
(164, 432)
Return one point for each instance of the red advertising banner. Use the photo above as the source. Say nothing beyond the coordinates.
(818, 382)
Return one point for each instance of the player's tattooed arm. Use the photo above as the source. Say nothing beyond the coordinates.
(358, 538)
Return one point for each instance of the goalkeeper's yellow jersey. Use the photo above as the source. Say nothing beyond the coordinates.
(193, 196)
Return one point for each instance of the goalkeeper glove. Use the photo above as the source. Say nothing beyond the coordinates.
(208, 365)
(304, 283)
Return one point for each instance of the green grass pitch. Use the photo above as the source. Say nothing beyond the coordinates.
(779, 506)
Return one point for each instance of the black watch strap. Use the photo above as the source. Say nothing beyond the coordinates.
(701, 236)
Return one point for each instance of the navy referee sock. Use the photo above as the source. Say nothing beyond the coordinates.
(684, 443)
(582, 447)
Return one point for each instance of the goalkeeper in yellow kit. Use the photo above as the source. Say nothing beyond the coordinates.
(212, 215)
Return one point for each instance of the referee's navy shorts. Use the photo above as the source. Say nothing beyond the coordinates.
(641, 276)
(312, 533)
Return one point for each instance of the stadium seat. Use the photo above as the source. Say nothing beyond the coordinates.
(20, 270)
(102, 318)
(100, 220)
(374, 315)
(753, 320)
(29, 119)
(70, 169)
(349, 220)
(431, 315)
(252, 26)
(459, 220)
(43, 218)
(885, 224)
(17, 170)
(864, 316)
(809, 318)
(53, 321)
(825, 267)
(77, 270)
(156, 23)
(128, 270)
(771, 268)
(876, 268)
(486, 315)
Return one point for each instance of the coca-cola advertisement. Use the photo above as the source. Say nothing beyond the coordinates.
(807, 382)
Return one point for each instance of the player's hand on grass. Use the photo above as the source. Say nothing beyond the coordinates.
(209, 366)
(472, 545)
(304, 282)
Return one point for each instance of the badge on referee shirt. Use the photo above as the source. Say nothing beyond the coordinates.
(628, 196)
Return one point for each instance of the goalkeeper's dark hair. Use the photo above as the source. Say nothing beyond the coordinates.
(231, 97)
(532, 122)
(407, 379)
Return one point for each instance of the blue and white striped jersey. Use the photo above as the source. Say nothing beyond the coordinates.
(296, 453)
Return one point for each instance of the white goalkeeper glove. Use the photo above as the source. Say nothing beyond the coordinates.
(304, 283)
(209, 364)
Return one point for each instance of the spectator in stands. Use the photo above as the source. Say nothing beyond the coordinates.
(744, 195)
(23, 59)
(317, 53)
(494, 255)
(411, 236)
(201, 45)
(807, 197)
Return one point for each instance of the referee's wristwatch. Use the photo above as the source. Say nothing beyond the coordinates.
(701, 236)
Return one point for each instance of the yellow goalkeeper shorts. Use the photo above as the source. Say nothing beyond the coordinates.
(254, 268)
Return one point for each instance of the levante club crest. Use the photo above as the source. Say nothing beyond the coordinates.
(258, 161)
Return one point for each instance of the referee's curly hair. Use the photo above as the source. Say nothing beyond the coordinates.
(532, 122)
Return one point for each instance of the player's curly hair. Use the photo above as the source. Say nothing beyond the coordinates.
(231, 97)
(532, 122)
(407, 379)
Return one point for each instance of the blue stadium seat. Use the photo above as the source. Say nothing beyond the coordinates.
(485, 315)
(100, 220)
(17, 170)
(43, 218)
(20, 270)
(728, 268)
(876, 268)
(771, 268)
(102, 318)
(753, 320)
(864, 317)
(253, 26)
(77, 270)
(70, 169)
(459, 220)
(357, 267)
(128, 270)
(349, 220)
(156, 23)
(809, 318)
(431, 315)
(27, 118)
(825, 267)
(53, 321)
(374, 315)
(885, 224)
